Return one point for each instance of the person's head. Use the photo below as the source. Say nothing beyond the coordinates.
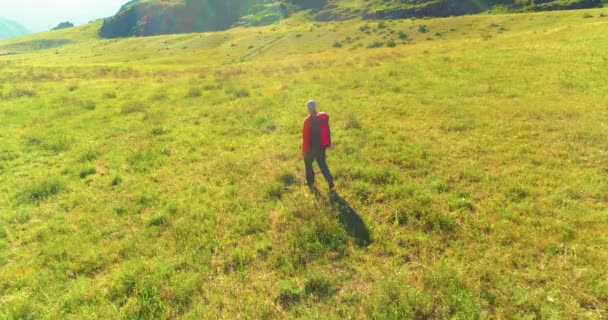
(312, 106)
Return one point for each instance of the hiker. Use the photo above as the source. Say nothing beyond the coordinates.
(316, 139)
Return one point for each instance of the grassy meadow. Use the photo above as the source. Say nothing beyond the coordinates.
(160, 178)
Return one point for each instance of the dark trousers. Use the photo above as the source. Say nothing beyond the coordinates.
(317, 154)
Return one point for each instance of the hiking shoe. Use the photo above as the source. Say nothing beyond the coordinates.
(331, 185)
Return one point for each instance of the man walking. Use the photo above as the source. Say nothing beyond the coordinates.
(316, 139)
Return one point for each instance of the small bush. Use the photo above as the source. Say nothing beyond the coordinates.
(241, 93)
(159, 131)
(39, 192)
(144, 160)
(323, 236)
(587, 16)
(371, 174)
(365, 28)
(157, 221)
(440, 186)
(87, 171)
(454, 299)
(337, 44)
(72, 87)
(89, 105)
(362, 190)
(110, 95)
(287, 179)
(194, 93)
(274, 191)
(603, 15)
(318, 286)
(22, 92)
(517, 193)
(459, 125)
(211, 87)
(391, 44)
(461, 203)
(423, 28)
(120, 211)
(58, 143)
(352, 122)
(133, 107)
(21, 217)
(150, 303)
(402, 35)
(414, 207)
(89, 155)
(239, 259)
(446, 223)
(376, 44)
(392, 300)
(158, 96)
(116, 180)
(289, 294)
(382, 25)
(147, 199)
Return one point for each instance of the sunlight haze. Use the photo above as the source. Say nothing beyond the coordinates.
(42, 15)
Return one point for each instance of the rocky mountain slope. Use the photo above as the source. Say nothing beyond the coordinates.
(155, 17)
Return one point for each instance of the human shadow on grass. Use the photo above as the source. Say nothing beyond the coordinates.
(350, 219)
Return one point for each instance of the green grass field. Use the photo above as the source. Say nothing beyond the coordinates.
(153, 178)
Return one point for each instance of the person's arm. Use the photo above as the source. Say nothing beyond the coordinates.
(306, 137)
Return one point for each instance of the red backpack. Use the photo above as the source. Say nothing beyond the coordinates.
(320, 132)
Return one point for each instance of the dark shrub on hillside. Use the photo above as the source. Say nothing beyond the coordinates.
(89, 105)
(376, 44)
(195, 93)
(21, 92)
(42, 190)
(87, 171)
(133, 107)
(110, 95)
(287, 179)
(63, 25)
(289, 294)
(241, 93)
(318, 286)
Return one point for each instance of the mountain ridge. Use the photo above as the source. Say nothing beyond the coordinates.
(10, 29)
(156, 17)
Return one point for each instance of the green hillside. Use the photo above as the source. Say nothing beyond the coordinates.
(157, 17)
(160, 178)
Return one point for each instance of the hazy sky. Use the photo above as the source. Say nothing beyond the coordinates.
(42, 15)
